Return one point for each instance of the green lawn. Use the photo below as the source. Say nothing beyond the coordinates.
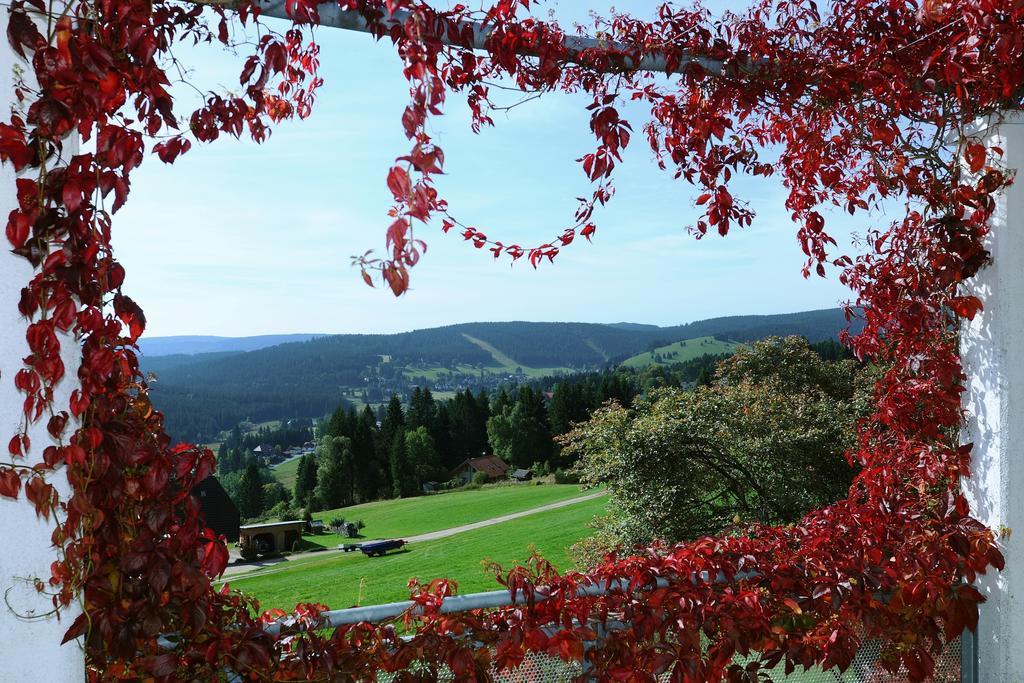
(346, 579)
(414, 516)
(287, 472)
(681, 351)
(342, 580)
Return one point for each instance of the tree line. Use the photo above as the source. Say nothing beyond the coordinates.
(365, 455)
(207, 393)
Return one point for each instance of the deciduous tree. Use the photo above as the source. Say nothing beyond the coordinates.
(419, 449)
(766, 443)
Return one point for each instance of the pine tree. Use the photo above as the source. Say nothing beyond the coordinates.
(367, 467)
(403, 477)
(442, 435)
(305, 481)
(501, 401)
(519, 434)
(480, 417)
(467, 418)
(393, 420)
(340, 422)
(334, 487)
(250, 492)
(569, 404)
(422, 410)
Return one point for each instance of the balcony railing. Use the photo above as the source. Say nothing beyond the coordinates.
(955, 664)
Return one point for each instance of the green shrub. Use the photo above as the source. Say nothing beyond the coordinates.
(281, 510)
(566, 477)
(541, 469)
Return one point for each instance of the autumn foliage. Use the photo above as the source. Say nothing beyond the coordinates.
(864, 102)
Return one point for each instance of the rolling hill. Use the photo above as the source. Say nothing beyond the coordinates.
(193, 344)
(204, 393)
(681, 351)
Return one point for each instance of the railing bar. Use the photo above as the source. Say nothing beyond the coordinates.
(332, 15)
(455, 603)
(485, 600)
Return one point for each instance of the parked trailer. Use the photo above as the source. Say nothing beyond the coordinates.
(379, 548)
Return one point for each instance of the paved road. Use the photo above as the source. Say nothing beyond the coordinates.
(242, 569)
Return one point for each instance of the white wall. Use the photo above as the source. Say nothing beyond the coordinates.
(992, 348)
(30, 648)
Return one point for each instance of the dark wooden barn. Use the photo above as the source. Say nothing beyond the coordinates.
(219, 510)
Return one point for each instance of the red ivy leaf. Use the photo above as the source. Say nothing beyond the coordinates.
(976, 156)
(10, 483)
(398, 183)
(966, 306)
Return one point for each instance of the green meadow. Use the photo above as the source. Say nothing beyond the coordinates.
(347, 579)
(423, 514)
(681, 351)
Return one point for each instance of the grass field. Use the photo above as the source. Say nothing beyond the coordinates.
(414, 516)
(342, 580)
(685, 350)
(287, 473)
(346, 579)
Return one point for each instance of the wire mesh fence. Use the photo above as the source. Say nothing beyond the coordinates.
(540, 667)
(543, 668)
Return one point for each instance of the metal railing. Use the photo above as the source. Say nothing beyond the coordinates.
(955, 664)
(453, 604)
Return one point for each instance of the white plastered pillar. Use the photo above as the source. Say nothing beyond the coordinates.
(992, 349)
(30, 635)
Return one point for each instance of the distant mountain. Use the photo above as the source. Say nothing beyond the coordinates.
(193, 344)
(160, 364)
(633, 326)
(245, 378)
(814, 325)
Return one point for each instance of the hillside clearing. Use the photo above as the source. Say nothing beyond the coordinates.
(287, 472)
(508, 364)
(681, 351)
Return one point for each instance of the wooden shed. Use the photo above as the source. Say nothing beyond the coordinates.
(522, 475)
(270, 537)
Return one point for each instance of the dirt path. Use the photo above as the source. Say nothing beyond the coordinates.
(445, 533)
(237, 571)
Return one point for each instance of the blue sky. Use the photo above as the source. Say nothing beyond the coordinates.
(239, 239)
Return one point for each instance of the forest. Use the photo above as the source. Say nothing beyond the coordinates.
(202, 395)
(365, 455)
